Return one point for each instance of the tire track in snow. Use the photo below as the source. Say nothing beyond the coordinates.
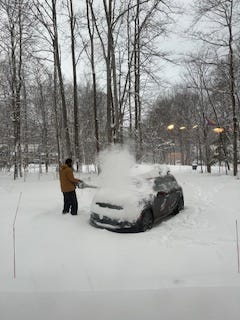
(188, 226)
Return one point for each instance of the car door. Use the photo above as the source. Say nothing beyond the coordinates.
(161, 199)
(173, 191)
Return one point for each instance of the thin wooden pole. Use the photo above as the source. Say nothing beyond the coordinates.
(14, 236)
(237, 243)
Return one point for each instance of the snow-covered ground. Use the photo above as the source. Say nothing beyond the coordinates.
(185, 268)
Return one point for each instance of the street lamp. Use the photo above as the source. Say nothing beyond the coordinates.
(218, 130)
(170, 127)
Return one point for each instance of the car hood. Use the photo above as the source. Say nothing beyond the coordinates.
(119, 204)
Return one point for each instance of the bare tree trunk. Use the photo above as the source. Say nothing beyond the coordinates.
(91, 35)
(129, 72)
(25, 130)
(54, 95)
(204, 126)
(16, 119)
(137, 79)
(16, 83)
(42, 105)
(232, 93)
(115, 96)
(75, 86)
(110, 115)
(61, 85)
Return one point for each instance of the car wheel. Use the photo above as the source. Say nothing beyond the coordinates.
(146, 220)
(180, 206)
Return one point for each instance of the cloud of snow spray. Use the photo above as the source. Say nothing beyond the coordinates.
(122, 183)
(115, 164)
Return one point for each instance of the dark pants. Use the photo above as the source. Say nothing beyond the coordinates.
(70, 202)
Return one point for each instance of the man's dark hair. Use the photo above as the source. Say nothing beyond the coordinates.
(68, 162)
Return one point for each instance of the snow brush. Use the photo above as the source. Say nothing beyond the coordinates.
(83, 185)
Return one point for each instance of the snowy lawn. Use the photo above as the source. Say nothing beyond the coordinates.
(185, 268)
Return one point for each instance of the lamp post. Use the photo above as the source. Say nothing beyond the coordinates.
(181, 129)
(170, 128)
(199, 147)
(220, 131)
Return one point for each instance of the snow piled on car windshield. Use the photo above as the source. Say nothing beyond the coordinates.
(124, 183)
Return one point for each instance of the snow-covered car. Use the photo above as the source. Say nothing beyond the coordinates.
(135, 207)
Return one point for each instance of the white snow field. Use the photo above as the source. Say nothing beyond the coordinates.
(184, 268)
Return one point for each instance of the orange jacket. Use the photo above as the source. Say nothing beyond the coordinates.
(67, 180)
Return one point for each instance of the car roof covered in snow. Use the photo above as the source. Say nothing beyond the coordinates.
(149, 171)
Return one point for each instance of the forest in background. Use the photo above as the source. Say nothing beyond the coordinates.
(123, 99)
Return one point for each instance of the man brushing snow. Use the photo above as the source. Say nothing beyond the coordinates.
(68, 185)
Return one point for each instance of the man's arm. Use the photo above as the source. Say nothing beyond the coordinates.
(71, 177)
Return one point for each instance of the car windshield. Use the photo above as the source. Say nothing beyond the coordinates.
(164, 183)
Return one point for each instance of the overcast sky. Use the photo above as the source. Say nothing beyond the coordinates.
(179, 42)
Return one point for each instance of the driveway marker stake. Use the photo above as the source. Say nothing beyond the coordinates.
(14, 238)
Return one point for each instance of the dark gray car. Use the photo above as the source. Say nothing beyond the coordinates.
(166, 199)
